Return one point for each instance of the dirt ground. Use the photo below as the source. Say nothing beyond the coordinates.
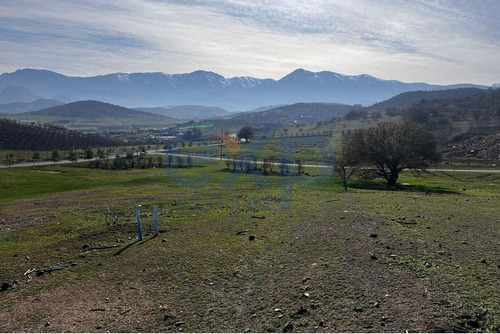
(365, 261)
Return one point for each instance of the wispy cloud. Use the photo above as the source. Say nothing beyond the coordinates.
(421, 40)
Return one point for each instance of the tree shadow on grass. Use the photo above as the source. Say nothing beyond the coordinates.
(414, 187)
(121, 250)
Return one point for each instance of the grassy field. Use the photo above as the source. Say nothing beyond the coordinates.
(243, 252)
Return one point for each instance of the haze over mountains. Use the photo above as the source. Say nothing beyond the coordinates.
(22, 107)
(210, 89)
(95, 115)
(187, 111)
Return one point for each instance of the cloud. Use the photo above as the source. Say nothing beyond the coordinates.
(434, 41)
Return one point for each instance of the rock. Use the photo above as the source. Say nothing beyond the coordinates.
(259, 217)
(484, 261)
(377, 304)
(277, 310)
(251, 238)
(247, 330)
(305, 279)
(164, 240)
(373, 235)
(5, 286)
(301, 311)
(85, 246)
(242, 232)
(373, 256)
(288, 328)
(358, 309)
(427, 265)
(305, 295)
(47, 324)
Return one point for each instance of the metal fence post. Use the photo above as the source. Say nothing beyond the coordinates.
(156, 219)
(139, 224)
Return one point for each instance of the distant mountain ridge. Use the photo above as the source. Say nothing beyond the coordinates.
(14, 93)
(187, 111)
(208, 88)
(22, 107)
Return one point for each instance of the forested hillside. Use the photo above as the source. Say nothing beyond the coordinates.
(15, 136)
(409, 98)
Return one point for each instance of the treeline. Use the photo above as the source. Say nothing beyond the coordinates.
(16, 136)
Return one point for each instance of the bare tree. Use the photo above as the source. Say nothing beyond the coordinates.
(228, 164)
(347, 165)
(272, 164)
(180, 162)
(9, 159)
(300, 167)
(55, 156)
(241, 164)
(389, 148)
(265, 165)
(73, 156)
(159, 160)
(282, 166)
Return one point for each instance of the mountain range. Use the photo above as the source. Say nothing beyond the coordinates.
(212, 89)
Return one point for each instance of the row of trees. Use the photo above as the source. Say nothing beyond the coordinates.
(267, 167)
(385, 150)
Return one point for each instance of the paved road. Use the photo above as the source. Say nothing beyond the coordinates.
(61, 162)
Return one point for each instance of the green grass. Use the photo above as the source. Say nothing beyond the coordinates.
(205, 269)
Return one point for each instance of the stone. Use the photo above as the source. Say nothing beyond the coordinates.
(5, 286)
(373, 235)
(302, 310)
(288, 328)
(251, 238)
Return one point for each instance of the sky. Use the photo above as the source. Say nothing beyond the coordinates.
(433, 41)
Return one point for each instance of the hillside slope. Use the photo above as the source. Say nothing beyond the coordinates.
(409, 98)
(15, 136)
(87, 115)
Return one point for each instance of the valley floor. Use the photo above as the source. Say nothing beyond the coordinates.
(246, 254)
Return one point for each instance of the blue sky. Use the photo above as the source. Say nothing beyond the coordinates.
(436, 41)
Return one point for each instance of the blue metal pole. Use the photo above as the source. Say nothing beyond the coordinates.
(156, 219)
(139, 224)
